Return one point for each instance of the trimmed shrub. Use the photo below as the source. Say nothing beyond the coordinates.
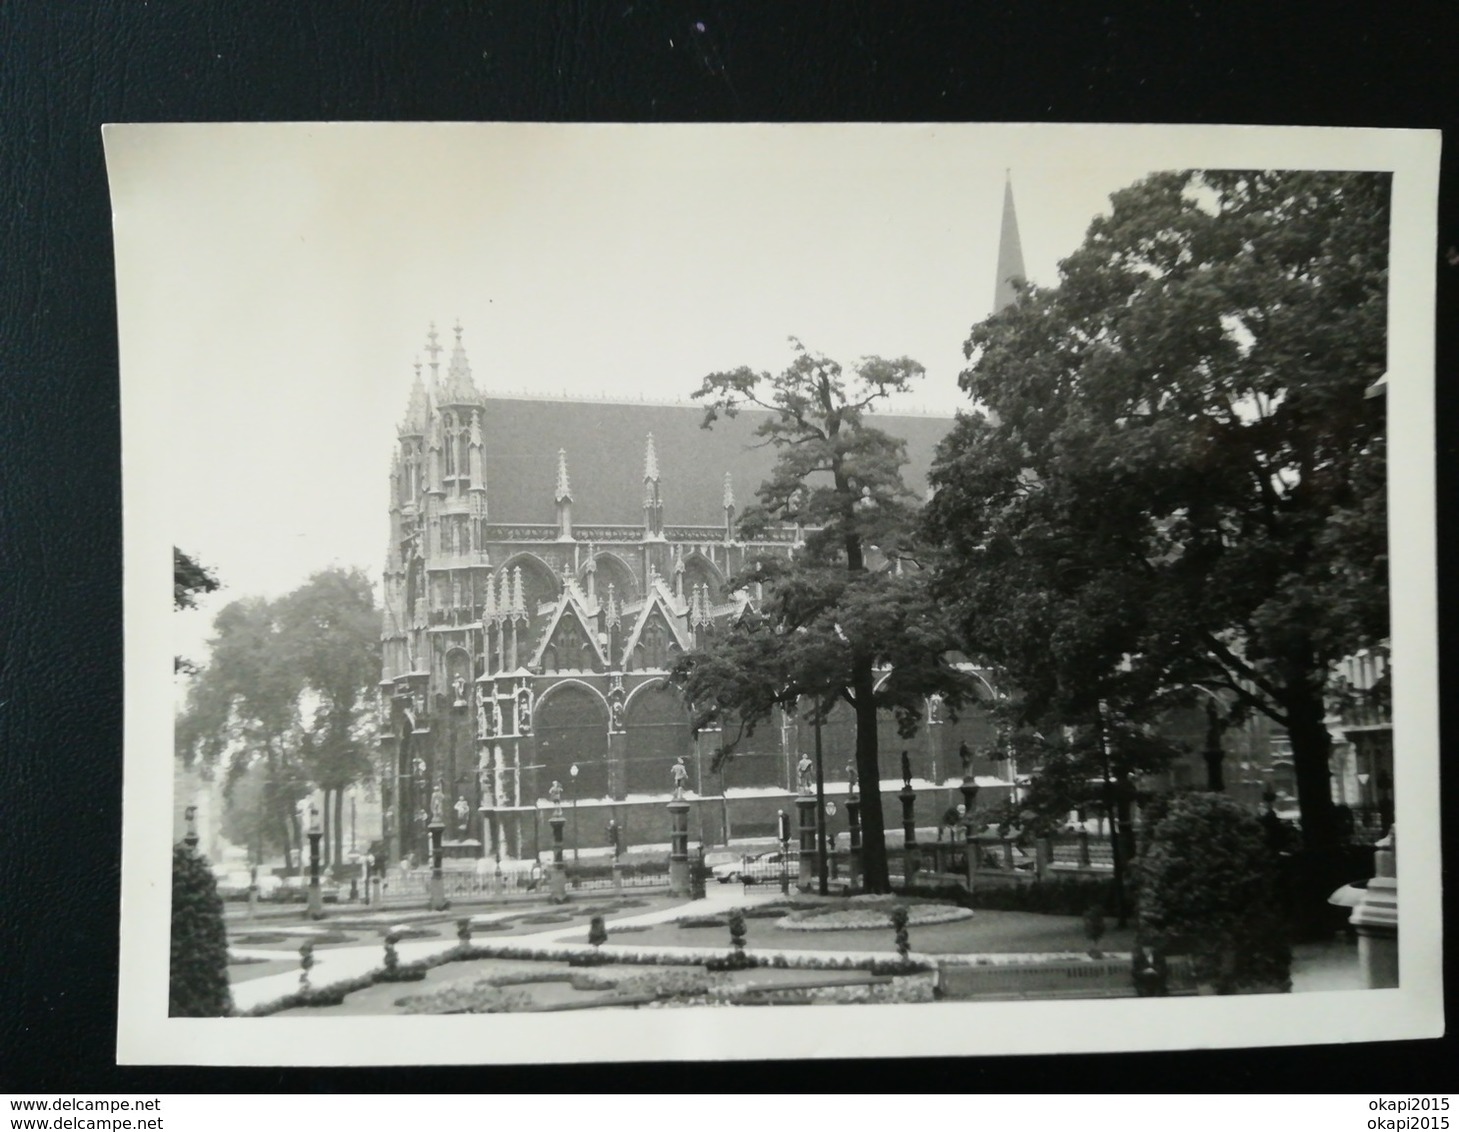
(899, 926)
(1209, 890)
(597, 932)
(197, 984)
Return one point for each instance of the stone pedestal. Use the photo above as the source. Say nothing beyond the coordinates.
(617, 879)
(679, 884)
(1043, 857)
(316, 896)
(438, 876)
(1376, 919)
(911, 859)
(805, 812)
(556, 822)
(853, 821)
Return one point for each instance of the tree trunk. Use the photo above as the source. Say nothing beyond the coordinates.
(1215, 778)
(1311, 751)
(338, 825)
(875, 876)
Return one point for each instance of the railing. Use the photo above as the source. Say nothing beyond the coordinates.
(607, 534)
(521, 532)
(695, 534)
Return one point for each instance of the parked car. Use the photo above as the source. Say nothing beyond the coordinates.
(758, 868)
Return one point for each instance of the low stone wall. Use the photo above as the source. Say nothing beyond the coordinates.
(1070, 978)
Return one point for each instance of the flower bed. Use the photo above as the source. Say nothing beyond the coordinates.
(865, 916)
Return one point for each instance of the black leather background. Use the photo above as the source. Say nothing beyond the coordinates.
(65, 68)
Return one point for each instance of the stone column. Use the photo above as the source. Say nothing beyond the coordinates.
(316, 896)
(910, 857)
(557, 874)
(1044, 857)
(438, 876)
(1376, 918)
(969, 788)
(679, 847)
(618, 765)
(853, 821)
(805, 808)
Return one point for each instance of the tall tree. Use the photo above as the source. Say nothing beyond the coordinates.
(189, 580)
(1175, 476)
(331, 637)
(243, 708)
(287, 687)
(845, 605)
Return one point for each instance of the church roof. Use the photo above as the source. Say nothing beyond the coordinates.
(605, 444)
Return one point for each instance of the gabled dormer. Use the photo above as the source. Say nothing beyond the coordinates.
(570, 642)
(659, 630)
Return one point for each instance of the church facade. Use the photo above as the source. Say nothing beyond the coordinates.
(548, 559)
(536, 597)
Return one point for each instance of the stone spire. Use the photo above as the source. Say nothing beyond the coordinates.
(519, 600)
(460, 389)
(564, 491)
(650, 462)
(612, 614)
(433, 348)
(417, 410)
(653, 507)
(1010, 253)
(729, 491)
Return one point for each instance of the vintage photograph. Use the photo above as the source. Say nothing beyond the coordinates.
(936, 580)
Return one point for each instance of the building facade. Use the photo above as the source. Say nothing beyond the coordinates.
(537, 593)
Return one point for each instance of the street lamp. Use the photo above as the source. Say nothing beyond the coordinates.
(573, 772)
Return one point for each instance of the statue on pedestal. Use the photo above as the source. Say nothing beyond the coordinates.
(554, 795)
(438, 803)
(965, 756)
(458, 686)
(851, 778)
(906, 772)
(463, 811)
(681, 777)
(803, 770)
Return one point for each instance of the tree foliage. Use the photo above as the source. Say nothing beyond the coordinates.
(849, 601)
(288, 688)
(1174, 475)
(189, 580)
(1209, 890)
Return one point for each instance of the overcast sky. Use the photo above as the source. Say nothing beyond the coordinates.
(276, 283)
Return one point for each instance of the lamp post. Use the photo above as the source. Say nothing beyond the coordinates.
(316, 897)
(820, 810)
(573, 774)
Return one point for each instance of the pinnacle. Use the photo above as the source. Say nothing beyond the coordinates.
(417, 410)
(460, 389)
(564, 490)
